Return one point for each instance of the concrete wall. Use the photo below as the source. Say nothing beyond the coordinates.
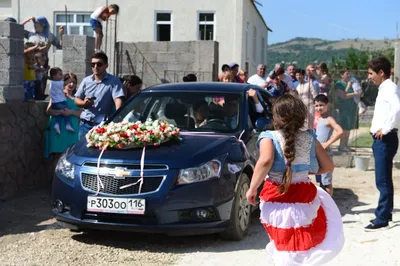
(6, 9)
(11, 62)
(150, 60)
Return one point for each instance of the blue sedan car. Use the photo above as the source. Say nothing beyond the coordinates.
(193, 186)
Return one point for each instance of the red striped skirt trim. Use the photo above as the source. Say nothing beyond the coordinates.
(304, 192)
(300, 238)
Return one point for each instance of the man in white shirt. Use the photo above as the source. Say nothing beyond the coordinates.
(386, 142)
(259, 78)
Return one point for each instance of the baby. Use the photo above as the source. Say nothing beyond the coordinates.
(58, 99)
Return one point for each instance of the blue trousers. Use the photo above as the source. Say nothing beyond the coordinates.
(83, 130)
(384, 151)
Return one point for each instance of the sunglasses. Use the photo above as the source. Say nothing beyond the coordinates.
(99, 64)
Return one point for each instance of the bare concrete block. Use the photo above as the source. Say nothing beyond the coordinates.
(68, 41)
(8, 62)
(11, 46)
(83, 41)
(152, 46)
(11, 30)
(168, 57)
(15, 77)
(82, 67)
(178, 47)
(11, 93)
(74, 55)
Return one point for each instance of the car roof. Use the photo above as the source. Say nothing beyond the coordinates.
(201, 86)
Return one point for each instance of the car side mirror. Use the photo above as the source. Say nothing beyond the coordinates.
(262, 123)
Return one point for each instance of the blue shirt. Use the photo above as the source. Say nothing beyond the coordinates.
(105, 91)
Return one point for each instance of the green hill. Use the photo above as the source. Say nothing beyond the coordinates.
(303, 51)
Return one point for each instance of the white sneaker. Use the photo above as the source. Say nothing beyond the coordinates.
(69, 128)
(57, 129)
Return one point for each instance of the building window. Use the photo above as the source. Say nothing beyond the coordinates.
(74, 24)
(206, 26)
(163, 27)
(247, 40)
(254, 43)
(262, 51)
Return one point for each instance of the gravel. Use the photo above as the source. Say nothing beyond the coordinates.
(29, 235)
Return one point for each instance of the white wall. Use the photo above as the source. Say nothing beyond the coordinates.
(6, 9)
(136, 21)
(250, 15)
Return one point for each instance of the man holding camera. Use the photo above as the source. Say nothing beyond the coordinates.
(99, 95)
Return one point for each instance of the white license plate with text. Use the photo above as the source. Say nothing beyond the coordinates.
(116, 205)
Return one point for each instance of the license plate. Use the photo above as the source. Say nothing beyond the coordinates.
(116, 205)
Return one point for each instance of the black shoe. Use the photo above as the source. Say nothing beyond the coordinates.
(390, 220)
(374, 227)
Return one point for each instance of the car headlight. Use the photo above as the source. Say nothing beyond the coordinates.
(65, 167)
(209, 170)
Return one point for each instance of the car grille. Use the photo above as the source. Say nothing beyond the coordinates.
(112, 185)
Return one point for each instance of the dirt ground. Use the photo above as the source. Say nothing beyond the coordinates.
(30, 236)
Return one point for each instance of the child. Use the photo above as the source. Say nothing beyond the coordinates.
(58, 99)
(325, 125)
(227, 76)
(303, 222)
(40, 71)
(29, 71)
(101, 14)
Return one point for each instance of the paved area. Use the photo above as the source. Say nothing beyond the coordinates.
(30, 236)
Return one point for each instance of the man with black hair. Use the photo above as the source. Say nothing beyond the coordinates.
(99, 94)
(384, 131)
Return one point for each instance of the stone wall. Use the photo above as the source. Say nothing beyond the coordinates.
(22, 164)
(157, 62)
(11, 62)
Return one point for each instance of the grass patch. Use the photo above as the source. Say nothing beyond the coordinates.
(363, 141)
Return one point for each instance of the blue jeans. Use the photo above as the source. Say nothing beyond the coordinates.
(84, 129)
(59, 118)
(384, 151)
(29, 89)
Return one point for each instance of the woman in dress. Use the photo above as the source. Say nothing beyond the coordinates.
(303, 222)
(307, 93)
(56, 144)
(348, 109)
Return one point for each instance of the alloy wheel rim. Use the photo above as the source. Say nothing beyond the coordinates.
(244, 208)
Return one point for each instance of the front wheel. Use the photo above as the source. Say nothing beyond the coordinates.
(241, 211)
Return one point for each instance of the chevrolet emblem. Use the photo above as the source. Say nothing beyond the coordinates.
(120, 173)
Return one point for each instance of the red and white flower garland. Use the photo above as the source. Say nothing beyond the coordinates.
(126, 135)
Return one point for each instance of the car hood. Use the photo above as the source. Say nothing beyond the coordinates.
(195, 148)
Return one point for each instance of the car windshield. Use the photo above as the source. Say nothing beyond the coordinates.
(188, 110)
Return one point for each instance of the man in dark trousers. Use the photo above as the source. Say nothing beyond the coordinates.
(384, 131)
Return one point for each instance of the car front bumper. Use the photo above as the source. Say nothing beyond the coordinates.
(166, 209)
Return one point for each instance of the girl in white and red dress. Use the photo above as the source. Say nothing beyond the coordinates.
(303, 222)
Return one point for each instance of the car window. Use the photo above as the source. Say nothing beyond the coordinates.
(188, 110)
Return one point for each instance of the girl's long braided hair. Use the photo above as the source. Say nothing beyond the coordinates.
(289, 114)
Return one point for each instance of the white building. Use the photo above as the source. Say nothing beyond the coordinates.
(236, 24)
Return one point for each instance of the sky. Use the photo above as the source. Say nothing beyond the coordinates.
(331, 20)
